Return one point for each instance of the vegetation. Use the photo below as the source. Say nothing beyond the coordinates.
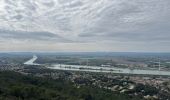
(15, 86)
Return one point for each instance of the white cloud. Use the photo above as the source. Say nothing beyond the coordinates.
(90, 21)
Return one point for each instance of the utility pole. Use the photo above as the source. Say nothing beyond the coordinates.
(159, 65)
(87, 62)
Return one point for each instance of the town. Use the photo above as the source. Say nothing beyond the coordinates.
(149, 87)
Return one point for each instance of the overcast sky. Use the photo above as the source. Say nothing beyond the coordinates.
(85, 25)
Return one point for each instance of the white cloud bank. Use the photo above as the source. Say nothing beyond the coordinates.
(85, 25)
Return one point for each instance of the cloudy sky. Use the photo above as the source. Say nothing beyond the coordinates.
(85, 25)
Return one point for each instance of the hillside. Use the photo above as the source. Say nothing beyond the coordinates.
(15, 86)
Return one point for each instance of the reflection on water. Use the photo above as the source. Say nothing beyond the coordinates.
(31, 61)
(107, 69)
(99, 69)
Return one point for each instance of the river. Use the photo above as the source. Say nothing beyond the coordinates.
(99, 69)
(31, 61)
(108, 69)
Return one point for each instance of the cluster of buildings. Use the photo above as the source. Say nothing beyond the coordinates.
(11, 67)
(131, 85)
(118, 83)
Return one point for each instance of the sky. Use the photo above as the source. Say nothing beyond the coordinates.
(85, 25)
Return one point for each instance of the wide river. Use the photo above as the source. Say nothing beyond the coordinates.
(108, 69)
(31, 61)
(100, 69)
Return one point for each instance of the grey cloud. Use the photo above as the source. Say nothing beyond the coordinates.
(17, 17)
(89, 21)
(75, 4)
(142, 23)
(23, 35)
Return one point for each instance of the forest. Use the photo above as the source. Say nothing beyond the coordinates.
(16, 86)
